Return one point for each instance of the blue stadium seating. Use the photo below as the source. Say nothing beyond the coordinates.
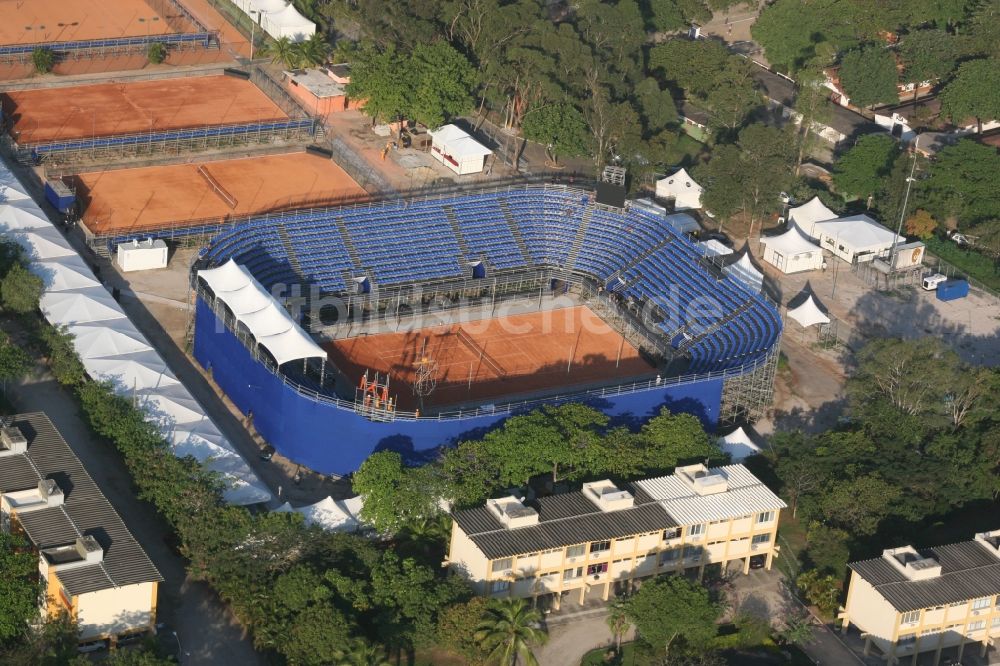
(721, 324)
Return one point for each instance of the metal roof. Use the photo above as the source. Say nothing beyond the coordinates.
(563, 520)
(85, 511)
(968, 571)
(745, 495)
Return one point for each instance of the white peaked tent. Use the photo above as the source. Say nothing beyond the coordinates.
(171, 405)
(141, 370)
(206, 445)
(65, 273)
(680, 187)
(738, 445)
(808, 314)
(791, 252)
(11, 188)
(269, 323)
(44, 243)
(287, 22)
(21, 215)
(808, 214)
(745, 270)
(112, 338)
(80, 306)
(330, 514)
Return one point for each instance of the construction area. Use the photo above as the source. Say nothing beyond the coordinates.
(506, 357)
(182, 195)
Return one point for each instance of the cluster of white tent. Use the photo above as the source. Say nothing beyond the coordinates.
(813, 228)
(681, 188)
(330, 514)
(738, 445)
(278, 18)
(268, 322)
(112, 349)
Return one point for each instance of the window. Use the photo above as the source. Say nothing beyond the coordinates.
(906, 639)
(996, 621)
(695, 531)
(977, 626)
(595, 569)
(501, 586)
(957, 604)
(502, 565)
(692, 552)
(671, 534)
(760, 539)
(766, 517)
(600, 546)
(981, 603)
(570, 574)
(911, 617)
(670, 556)
(576, 551)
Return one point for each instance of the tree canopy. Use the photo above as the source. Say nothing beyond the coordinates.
(862, 170)
(962, 183)
(868, 76)
(974, 92)
(673, 612)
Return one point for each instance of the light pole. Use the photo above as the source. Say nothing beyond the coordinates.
(906, 200)
(180, 650)
(253, 28)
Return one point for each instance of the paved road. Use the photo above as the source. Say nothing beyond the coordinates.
(575, 634)
(206, 629)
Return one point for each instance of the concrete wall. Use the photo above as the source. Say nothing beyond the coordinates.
(116, 611)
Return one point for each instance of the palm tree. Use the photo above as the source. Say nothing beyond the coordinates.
(508, 630)
(360, 653)
(284, 51)
(314, 51)
(618, 622)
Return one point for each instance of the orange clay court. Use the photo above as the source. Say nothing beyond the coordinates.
(109, 109)
(152, 197)
(34, 21)
(507, 356)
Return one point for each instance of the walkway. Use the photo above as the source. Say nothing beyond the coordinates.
(575, 634)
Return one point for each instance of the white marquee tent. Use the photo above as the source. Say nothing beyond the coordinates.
(457, 150)
(857, 238)
(330, 514)
(109, 345)
(808, 314)
(745, 270)
(791, 252)
(287, 22)
(269, 323)
(112, 338)
(808, 214)
(680, 187)
(738, 445)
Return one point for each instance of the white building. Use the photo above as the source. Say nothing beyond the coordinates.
(680, 188)
(454, 148)
(855, 239)
(791, 252)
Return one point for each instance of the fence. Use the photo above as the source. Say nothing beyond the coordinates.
(102, 47)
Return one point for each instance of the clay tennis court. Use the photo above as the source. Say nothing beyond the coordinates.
(508, 356)
(110, 109)
(179, 194)
(35, 21)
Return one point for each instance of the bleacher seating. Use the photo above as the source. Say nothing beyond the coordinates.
(720, 323)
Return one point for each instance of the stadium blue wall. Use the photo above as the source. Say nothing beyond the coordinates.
(333, 440)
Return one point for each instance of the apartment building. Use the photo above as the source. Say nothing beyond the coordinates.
(585, 542)
(89, 563)
(911, 601)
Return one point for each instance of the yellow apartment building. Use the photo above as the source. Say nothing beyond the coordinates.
(90, 564)
(910, 602)
(604, 537)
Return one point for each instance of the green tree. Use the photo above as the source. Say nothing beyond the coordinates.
(313, 51)
(656, 106)
(862, 170)
(797, 33)
(20, 290)
(156, 53)
(868, 76)
(811, 103)
(19, 592)
(559, 127)
(508, 631)
(381, 77)
(767, 155)
(962, 184)
(796, 631)
(921, 224)
(43, 60)
(670, 608)
(14, 362)
(821, 591)
(283, 51)
(974, 92)
(860, 504)
(52, 643)
(827, 548)
(733, 95)
(457, 626)
(927, 55)
(669, 440)
(63, 361)
(394, 496)
(443, 80)
(618, 621)
(361, 653)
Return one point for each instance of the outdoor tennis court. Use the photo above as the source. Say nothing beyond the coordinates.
(495, 358)
(110, 109)
(37, 21)
(184, 194)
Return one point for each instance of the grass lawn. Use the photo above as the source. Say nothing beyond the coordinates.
(688, 150)
(977, 266)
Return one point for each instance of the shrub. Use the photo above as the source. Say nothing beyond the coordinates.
(156, 53)
(43, 60)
